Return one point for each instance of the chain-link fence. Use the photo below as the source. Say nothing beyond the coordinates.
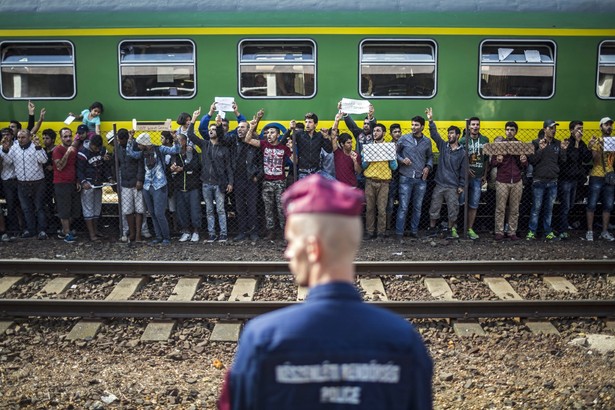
(232, 190)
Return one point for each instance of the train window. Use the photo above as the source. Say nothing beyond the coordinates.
(398, 68)
(277, 68)
(512, 69)
(157, 69)
(40, 70)
(606, 70)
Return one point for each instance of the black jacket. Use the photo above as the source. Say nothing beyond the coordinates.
(215, 160)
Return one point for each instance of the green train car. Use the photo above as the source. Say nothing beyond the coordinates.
(150, 60)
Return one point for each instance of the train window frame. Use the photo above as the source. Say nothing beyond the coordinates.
(519, 44)
(413, 42)
(610, 64)
(71, 64)
(157, 63)
(273, 41)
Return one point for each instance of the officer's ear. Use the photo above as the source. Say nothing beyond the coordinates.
(313, 249)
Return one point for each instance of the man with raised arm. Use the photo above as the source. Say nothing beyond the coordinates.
(274, 155)
(450, 175)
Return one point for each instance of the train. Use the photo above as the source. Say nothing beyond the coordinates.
(151, 60)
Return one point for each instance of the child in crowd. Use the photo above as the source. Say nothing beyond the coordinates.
(91, 117)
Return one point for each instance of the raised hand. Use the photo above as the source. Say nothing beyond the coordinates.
(429, 113)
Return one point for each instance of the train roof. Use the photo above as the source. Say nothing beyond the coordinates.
(319, 6)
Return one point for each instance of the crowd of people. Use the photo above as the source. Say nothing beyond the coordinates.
(239, 172)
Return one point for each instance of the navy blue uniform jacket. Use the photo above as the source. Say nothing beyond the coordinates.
(332, 352)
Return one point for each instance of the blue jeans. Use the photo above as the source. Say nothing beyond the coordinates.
(156, 202)
(393, 193)
(31, 198)
(543, 197)
(188, 209)
(474, 188)
(410, 189)
(567, 195)
(211, 193)
(599, 190)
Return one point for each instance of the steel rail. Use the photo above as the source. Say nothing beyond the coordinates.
(202, 268)
(99, 309)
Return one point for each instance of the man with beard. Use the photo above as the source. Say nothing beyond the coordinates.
(450, 176)
(477, 170)
(508, 186)
(66, 187)
(415, 158)
(309, 145)
(248, 170)
(216, 176)
(598, 189)
(28, 158)
(378, 175)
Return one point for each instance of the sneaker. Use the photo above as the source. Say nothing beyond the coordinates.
(530, 236)
(184, 237)
(165, 242)
(240, 237)
(254, 237)
(414, 235)
(551, 236)
(212, 238)
(69, 238)
(564, 235)
(271, 235)
(472, 235)
(607, 236)
(156, 241)
(399, 237)
(454, 234)
(499, 236)
(194, 237)
(26, 235)
(431, 232)
(513, 237)
(369, 236)
(589, 236)
(5, 237)
(146, 234)
(42, 235)
(124, 239)
(223, 238)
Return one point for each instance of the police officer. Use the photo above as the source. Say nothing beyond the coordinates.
(333, 351)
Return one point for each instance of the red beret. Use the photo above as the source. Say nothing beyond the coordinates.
(319, 195)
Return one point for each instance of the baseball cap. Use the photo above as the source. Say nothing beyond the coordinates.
(549, 123)
(319, 195)
(82, 129)
(605, 120)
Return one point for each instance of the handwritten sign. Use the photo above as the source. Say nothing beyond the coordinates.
(379, 152)
(609, 144)
(350, 106)
(151, 125)
(224, 103)
(509, 148)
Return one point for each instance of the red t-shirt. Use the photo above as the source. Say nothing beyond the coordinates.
(273, 160)
(69, 172)
(344, 168)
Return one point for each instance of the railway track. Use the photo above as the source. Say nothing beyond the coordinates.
(240, 305)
